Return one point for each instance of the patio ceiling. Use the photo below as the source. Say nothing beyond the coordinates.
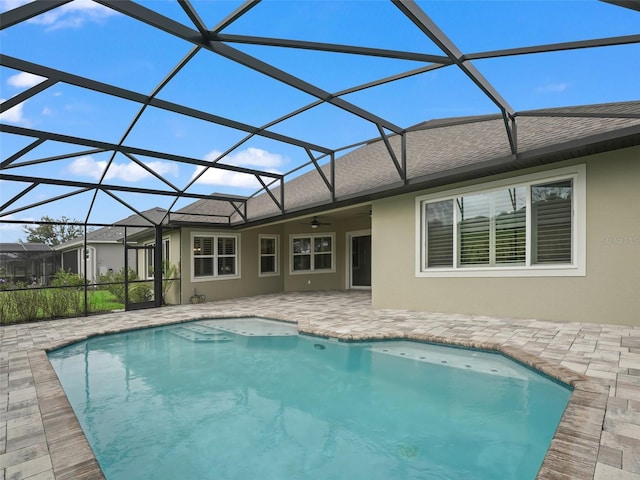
(179, 99)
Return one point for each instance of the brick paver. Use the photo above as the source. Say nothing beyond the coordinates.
(598, 437)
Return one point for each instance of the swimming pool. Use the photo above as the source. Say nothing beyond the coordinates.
(248, 398)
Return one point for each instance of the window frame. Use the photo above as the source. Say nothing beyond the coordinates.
(166, 249)
(215, 256)
(276, 255)
(577, 266)
(312, 269)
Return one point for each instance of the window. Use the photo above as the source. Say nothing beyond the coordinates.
(312, 253)
(215, 256)
(491, 228)
(268, 255)
(551, 224)
(148, 258)
(527, 227)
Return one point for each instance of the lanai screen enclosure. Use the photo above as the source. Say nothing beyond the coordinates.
(113, 107)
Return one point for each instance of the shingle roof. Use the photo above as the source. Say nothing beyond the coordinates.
(134, 223)
(203, 211)
(441, 151)
(439, 148)
(24, 247)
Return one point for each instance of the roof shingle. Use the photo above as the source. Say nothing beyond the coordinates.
(438, 148)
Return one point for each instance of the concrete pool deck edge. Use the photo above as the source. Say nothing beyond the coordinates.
(59, 450)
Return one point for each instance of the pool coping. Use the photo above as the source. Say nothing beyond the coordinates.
(572, 454)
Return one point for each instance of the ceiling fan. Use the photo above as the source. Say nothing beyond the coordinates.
(315, 223)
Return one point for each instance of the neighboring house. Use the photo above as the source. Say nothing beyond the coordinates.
(28, 263)
(460, 225)
(105, 251)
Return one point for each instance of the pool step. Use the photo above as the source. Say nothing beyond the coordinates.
(251, 326)
(197, 333)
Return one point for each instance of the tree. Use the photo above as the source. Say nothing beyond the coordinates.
(53, 231)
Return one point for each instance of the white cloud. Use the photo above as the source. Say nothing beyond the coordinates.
(552, 88)
(10, 227)
(130, 172)
(20, 80)
(13, 115)
(25, 80)
(12, 232)
(249, 158)
(215, 176)
(70, 15)
(87, 167)
(6, 5)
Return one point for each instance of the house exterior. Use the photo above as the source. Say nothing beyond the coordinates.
(594, 278)
(105, 247)
(26, 263)
(446, 219)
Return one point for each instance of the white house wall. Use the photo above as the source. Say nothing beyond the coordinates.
(103, 257)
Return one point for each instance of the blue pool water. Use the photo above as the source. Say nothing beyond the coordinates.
(249, 399)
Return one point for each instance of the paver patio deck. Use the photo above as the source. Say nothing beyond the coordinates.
(598, 437)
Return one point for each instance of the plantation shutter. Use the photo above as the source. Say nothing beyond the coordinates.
(440, 234)
(474, 214)
(510, 219)
(202, 256)
(552, 222)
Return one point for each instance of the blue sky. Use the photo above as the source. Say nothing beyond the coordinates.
(87, 39)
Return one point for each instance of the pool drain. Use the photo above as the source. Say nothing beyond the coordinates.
(319, 346)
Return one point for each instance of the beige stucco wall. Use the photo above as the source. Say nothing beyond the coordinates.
(336, 280)
(249, 282)
(609, 293)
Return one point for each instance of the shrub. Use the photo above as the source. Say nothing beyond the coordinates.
(140, 292)
(171, 274)
(57, 304)
(68, 296)
(114, 283)
(8, 312)
(66, 279)
(27, 303)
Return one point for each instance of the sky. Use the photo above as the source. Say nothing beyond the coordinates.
(93, 41)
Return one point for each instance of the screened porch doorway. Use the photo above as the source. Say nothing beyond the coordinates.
(139, 291)
(359, 259)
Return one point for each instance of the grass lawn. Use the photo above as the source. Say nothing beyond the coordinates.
(103, 300)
